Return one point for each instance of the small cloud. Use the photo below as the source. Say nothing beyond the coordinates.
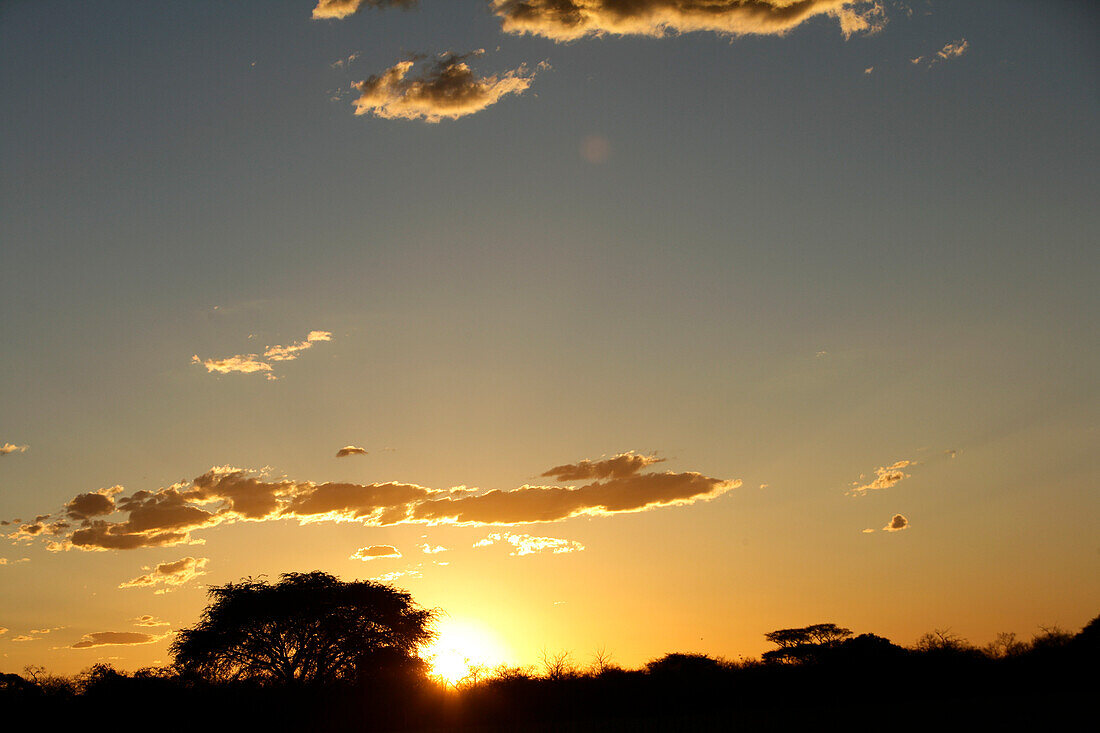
(951, 453)
(764, 486)
(341, 63)
(46, 631)
(351, 450)
(261, 364)
(392, 576)
(375, 551)
(147, 620)
(885, 477)
(869, 69)
(428, 549)
(7, 448)
(23, 637)
(821, 353)
(525, 544)
(169, 574)
(951, 50)
(115, 638)
(446, 89)
(3, 630)
(897, 524)
(861, 18)
(343, 8)
(6, 561)
(93, 504)
(868, 531)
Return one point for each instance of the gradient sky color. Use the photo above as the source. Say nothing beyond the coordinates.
(852, 267)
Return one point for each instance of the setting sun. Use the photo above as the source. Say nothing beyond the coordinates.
(463, 645)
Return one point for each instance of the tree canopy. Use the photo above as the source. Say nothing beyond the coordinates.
(306, 628)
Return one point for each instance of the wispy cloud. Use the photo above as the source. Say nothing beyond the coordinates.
(344, 8)
(261, 363)
(951, 50)
(446, 89)
(569, 20)
(885, 477)
(351, 450)
(8, 448)
(169, 575)
(115, 638)
(396, 574)
(147, 620)
(897, 523)
(225, 495)
(525, 544)
(375, 551)
(429, 549)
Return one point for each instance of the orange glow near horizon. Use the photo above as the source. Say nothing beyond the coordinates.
(461, 646)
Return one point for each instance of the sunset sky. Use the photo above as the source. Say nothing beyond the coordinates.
(647, 326)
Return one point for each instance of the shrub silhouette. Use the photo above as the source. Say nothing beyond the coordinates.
(309, 628)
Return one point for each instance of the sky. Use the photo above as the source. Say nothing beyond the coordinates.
(642, 327)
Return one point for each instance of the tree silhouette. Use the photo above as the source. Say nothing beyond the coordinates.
(309, 628)
(802, 644)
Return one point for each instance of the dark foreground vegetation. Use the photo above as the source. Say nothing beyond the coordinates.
(312, 653)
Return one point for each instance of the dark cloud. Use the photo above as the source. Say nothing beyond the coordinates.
(446, 89)
(92, 504)
(114, 638)
(169, 574)
(226, 495)
(897, 524)
(624, 464)
(344, 8)
(567, 20)
(529, 504)
(351, 450)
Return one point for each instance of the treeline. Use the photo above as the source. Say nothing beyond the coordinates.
(821, 676)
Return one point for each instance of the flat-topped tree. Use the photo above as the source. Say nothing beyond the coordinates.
(802, 643)
(308, 628)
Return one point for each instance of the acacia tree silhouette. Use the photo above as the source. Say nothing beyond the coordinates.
(309, 628)
(801, 644)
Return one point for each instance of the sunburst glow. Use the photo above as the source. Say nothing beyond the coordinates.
(463, 646)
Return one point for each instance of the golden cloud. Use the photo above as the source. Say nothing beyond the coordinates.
(446, 89)
(225, 495)
(344, 8)
(351, 450)
(374, 551)
(169, 574)
(525, 544)
(7, 448)
(569, 20)
(261, 364)
(885, 477)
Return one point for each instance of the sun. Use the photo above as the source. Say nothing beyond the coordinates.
(461, 646)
